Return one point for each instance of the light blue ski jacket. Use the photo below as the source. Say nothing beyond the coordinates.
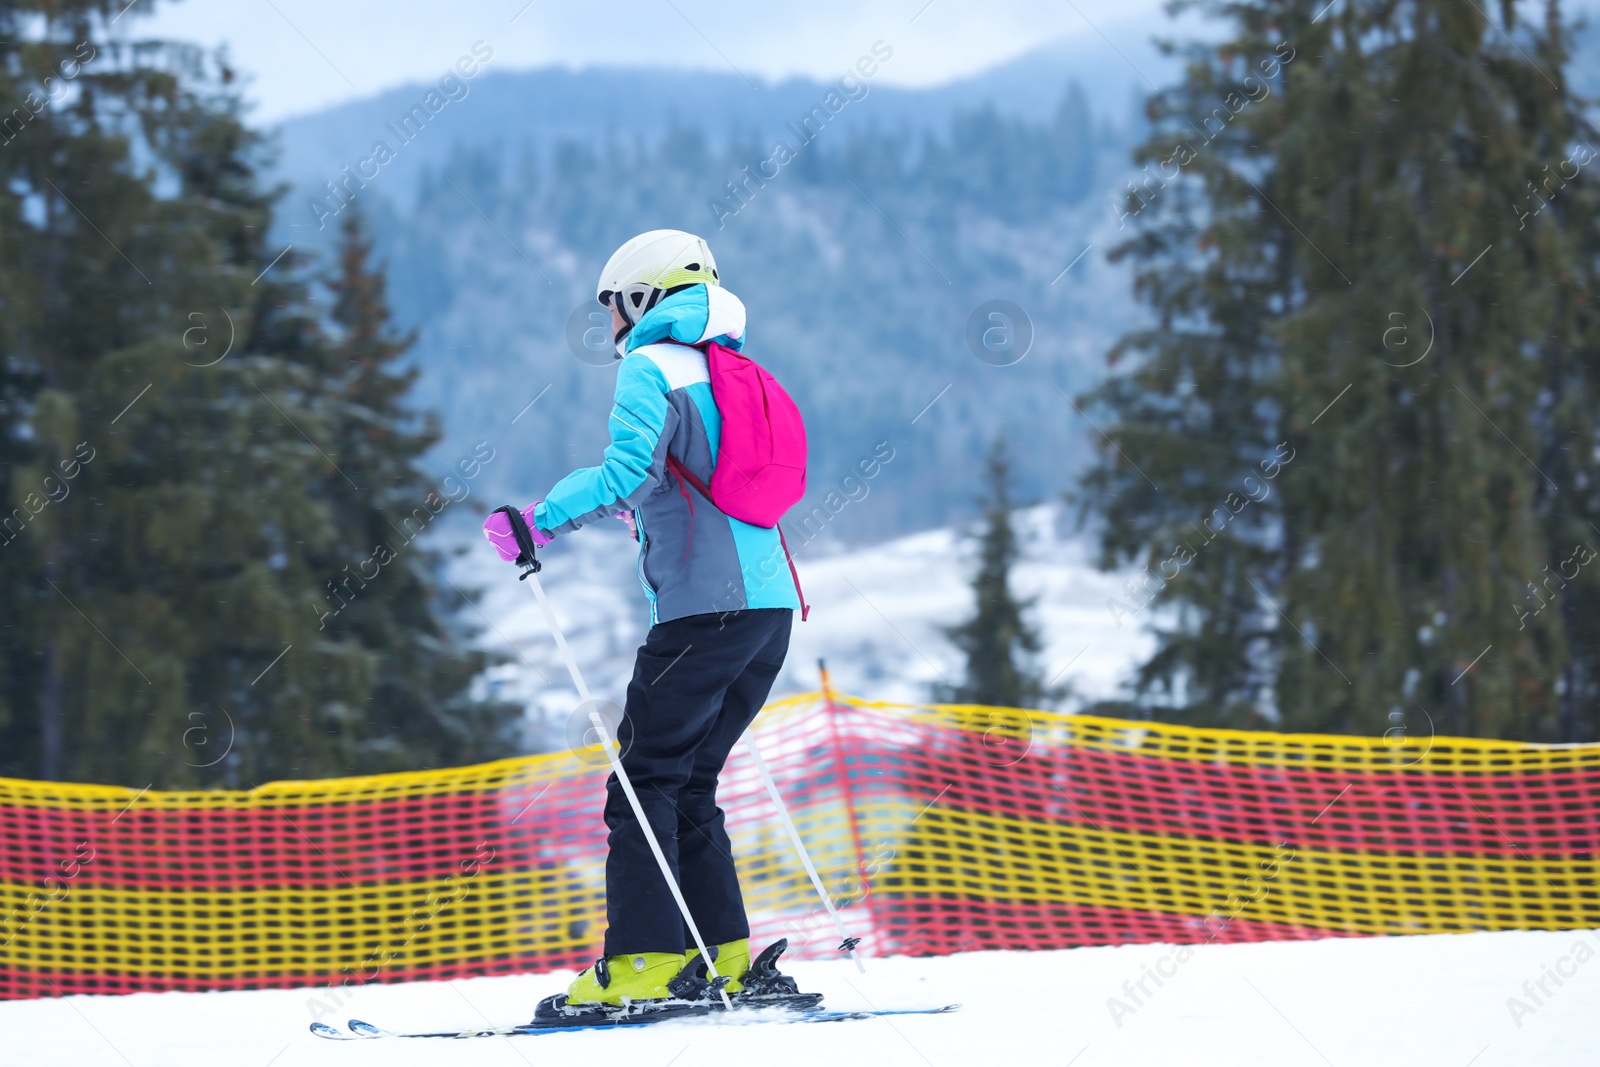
(693, 559)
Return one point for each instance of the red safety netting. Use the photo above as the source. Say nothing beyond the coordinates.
(936, 829)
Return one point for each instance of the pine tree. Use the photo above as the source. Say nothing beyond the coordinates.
(383, 593)
(1343, 518)
(998, 641)
(165, 383)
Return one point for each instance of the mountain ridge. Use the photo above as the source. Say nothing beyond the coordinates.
(540, 106)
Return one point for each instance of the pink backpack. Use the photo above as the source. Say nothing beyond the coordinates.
(761, 458)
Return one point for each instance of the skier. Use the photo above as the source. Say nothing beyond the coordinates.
(722, 596)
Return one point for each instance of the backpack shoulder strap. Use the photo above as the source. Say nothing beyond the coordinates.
(687, 475)
(805, 609)
(684, 475)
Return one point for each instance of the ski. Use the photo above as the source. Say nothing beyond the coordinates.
(364, 1031)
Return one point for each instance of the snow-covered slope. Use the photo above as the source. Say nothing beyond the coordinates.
(876, 616)
(1404, 1001)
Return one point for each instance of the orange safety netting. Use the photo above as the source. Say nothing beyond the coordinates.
(938, 829)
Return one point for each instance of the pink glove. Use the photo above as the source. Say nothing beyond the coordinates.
(627, 518)
(497, 528)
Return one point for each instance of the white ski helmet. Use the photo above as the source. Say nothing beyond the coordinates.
(648, 267)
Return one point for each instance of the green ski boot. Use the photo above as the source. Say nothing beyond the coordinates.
(732, 959)
(625, 988)
(623, 979)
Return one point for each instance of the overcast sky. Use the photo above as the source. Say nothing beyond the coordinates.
(301, 55)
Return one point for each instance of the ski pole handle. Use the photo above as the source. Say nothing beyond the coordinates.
(528, 561)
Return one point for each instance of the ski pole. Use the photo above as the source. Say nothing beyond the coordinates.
(847, 943)
(530, 569)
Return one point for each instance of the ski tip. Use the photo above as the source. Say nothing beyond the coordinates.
(365, 1029)
(947, 1008)
(332, 1033)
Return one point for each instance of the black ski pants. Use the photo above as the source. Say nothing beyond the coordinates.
(697, 684)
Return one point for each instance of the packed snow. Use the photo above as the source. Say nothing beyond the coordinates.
(877, 615)
(1484, 1000)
